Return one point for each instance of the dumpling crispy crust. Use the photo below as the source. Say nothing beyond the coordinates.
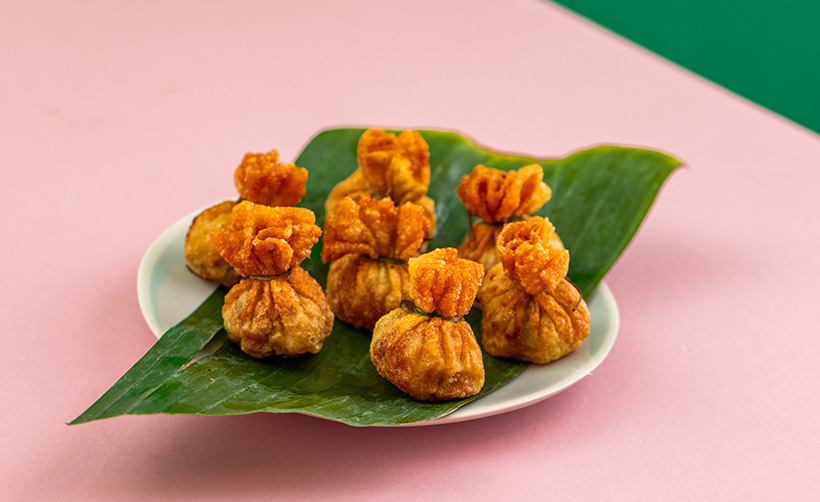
(361, 290)
(390, 166)
(430, 358)
(266, 241)
(395, 166)
(287, 315)
(261, 179)
(435, 356)
(537, 328)
(354, 186)
(429, 207)
(375, 228)
(526, 252)
(495, 195)
(442, 282)
(531, 311)
(479, 245)
(200, 254)
(359, 235)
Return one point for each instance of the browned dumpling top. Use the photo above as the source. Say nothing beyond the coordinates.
(266, 241)
(262, 179)
(494, 195)
(395, 166)
(529, 256)
(442, 282)
(374, 228)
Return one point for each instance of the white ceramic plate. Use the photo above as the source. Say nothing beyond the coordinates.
(168, 293)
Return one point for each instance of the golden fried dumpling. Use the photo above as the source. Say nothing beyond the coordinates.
(426, 348)
(374, 227)
(261, 179)
(395, 166)
(390, 166)
(498, 197)
(529, 256)
(287, 316)
(442, 282)
(266, 241)
(278, 308)
(531, 311)
(368, 242)
(202, 258)
(354, 186)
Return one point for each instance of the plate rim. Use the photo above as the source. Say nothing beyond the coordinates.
(470, 411)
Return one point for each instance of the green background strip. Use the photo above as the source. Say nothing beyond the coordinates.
(768, 52)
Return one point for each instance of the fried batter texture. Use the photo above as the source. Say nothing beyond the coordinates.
(526, 251)
(390, 166)
(354, 186)
(430, 357)
(376, 228)
(200, 254)
(395, 166)
(266, 241)
(442, 282)
(286, 316)
(280, 309)
(497, 197)
(368, 242)
(531, 311)
(261, 179)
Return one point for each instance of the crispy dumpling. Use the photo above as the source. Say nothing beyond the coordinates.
(265, 241)
(426, 348)
(354, 186)
(498, 197)
(395, 166)
(531, 311)
(390, 166)
(277, 308)
(287, 316)
(260, 179)
(368, 242)
(200, 254)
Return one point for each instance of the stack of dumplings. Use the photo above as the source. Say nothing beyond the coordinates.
(368, 242)
(426, 348)
(277, 308)
(498, 197)
(390, 166)
(260, 179)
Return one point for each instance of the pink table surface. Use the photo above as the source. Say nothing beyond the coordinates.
(116, 119)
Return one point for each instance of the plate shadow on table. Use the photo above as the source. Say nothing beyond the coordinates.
(291, 454)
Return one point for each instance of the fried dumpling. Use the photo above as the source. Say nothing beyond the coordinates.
(277, 308)
(261, 179)
(395, 166)
(425, 347)
(200, 255)
(498, 197)
(368, 242)
(531, 311)
(390, 166)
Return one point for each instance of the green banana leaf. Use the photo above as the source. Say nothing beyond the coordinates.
(600, 196)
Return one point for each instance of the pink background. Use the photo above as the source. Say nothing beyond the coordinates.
(116, 120)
